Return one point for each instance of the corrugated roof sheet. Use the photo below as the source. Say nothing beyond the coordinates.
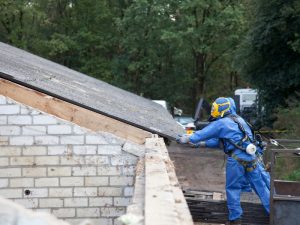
(51, 78)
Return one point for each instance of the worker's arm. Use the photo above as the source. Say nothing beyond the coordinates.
(213, 143)
(209, 132)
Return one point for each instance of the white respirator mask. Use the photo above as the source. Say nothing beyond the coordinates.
(251, 149)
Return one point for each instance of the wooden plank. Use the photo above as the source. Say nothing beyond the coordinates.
(217, 196)
(181, 206)
(164, 201)
(70, 112)
(136, 208)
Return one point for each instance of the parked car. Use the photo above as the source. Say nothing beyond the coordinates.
(187, 122)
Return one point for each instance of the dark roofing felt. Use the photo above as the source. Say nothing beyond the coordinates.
(61, 82)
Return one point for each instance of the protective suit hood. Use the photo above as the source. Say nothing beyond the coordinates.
(232, 109)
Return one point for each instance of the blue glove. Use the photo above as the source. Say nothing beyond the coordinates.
(183, 139)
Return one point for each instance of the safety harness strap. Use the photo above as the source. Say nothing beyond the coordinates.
(242, 129)
(248, 166)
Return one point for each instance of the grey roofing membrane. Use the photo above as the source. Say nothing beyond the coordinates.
(59, 81)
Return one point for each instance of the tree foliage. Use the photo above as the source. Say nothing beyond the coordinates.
(271, 52)
(185, 46)
(174, 50)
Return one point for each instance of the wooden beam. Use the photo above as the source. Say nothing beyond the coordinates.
(164, 200)
(70, 112)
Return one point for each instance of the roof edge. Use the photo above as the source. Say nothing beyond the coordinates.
(12, 79)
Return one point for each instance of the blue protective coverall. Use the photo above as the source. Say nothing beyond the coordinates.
(225, 128)
(216, 143)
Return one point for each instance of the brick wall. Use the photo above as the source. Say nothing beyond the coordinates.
(52, 165)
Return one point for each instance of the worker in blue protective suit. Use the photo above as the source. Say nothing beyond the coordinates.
(238, 143)
(216, 143)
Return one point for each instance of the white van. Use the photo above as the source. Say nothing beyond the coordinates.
(245, 99)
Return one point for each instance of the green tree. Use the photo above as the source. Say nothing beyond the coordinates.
(168, 49)
(183, 45)
(19, 23)
(271, 53)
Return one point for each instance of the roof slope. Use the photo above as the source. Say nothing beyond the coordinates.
(61, 82)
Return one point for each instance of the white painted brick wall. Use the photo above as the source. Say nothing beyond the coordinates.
(11, 193)
(68, 212)
(57, 150)
(112, 211)
(3, 183)
(22, 161)
(60, 192)
(51, 165)
(37, 193)
(128, 191)
(4, 161)
(109, 170)
(21, 182)
(88, 212)
(51, 202)
(72, 160)
(106, 201)
(21, 140)
(10, 130)
(84, 171)
(85, 150)
(20, 120)
(34, 150)
(46, 182)
(59, 129)
(59, 171)
(110, 191)
(129, 170)
(72, 181)
(46, 140)
(97, 160)
(96, 181)
(34, 130)
(122, 201)
(44, 119)
(10, 151)
(76, 202)
(123, 160)
(3, 120)
(9, 109)
(34, 172)
(29, 203)
(109, 150)
(4, 140)
(85, 191)
(95, 139)
(47, 160)
(72, 139)
(2, 100)
(121, 181)
(10, 172)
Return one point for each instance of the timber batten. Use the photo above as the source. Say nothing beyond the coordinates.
(70, 112)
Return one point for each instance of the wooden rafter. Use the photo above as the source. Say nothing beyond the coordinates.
(70, 112)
